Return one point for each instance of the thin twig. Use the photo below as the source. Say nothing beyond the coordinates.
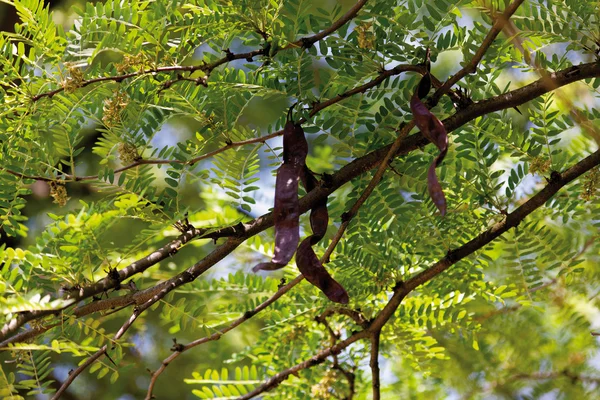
(358, 317)
(208, 68)
(309, 41)
(75, 373)
(471, 67)
(311, 362)
(217, 335)
(382, 76)
(333, 338)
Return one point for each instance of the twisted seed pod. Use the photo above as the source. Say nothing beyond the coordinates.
(315, 273)
(433, 129)
(307, 261)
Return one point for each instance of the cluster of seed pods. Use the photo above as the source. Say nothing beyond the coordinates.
(287, 212)
(287, 215)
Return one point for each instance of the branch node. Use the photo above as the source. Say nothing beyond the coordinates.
(230, 56)
(327, 181)
(282, 283)
(113, 276)
(307, 43)
(347, 216)
(239, 229)
(451, 257)
(177, 347)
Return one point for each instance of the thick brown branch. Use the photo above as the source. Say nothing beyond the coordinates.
(445, 88)
(146, 298)
(512, 220)
(249, 314)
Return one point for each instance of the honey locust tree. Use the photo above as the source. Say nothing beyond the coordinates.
(439, 164)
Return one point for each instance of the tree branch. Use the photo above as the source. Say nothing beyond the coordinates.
(247, 315)
(356, 316)
(471, 67)
(374, 364)
(75, 373)
(310, 40)
(402, 289)
(333, 338)
(445, 88)
(217, 335)
(382, 76)
(315, 360)
(513, 219)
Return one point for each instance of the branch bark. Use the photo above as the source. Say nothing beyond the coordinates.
(374, 364)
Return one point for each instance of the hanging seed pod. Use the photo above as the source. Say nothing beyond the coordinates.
(433, 129)
(285, 211)
(315, 273)
(307, 261)
(286, 215)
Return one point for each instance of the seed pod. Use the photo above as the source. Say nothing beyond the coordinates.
(433, 129)
(286, 215)
(315, 273)
(285, 211)
(306, 259)
(295, 146)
